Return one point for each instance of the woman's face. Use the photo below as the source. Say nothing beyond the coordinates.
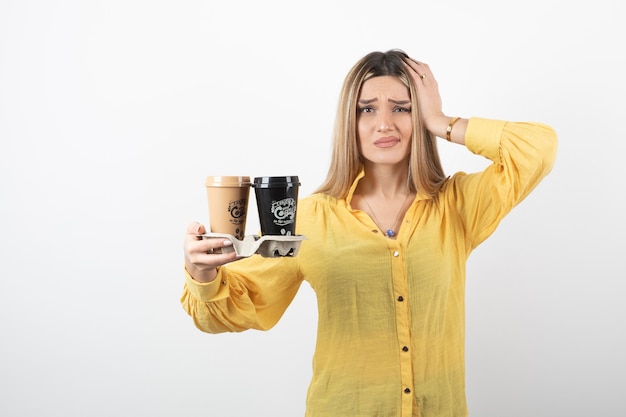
(384, 123)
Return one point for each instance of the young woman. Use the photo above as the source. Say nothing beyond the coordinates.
(388, 238)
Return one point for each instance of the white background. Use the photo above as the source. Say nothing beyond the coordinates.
(113, 112)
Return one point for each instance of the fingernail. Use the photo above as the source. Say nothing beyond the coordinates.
(227, 243)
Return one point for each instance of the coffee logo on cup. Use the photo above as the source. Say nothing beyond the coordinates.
(284, 211)
(237, 210)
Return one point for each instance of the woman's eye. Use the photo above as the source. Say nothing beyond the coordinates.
(402, 109)
(366, 109)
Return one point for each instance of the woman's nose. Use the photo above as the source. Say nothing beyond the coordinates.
(384, 121)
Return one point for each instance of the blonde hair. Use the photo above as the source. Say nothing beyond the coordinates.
(425, 174)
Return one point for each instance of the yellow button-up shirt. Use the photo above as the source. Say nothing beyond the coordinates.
(391, 325)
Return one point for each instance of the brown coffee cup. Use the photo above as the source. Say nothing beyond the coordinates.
(228, 204)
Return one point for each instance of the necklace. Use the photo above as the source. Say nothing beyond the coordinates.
(390, 232)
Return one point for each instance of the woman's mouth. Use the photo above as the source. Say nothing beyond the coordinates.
(387, 142)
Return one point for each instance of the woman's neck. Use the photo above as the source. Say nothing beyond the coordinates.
(385, 181)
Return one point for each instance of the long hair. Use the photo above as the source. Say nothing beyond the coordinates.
(425, 173)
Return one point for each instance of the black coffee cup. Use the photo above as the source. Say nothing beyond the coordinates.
(277, 199)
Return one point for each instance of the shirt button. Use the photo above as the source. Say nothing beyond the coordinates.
(405, 349)
(396, 254)
(400, 298)
(407, 390)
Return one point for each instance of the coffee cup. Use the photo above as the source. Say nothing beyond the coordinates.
(277, 199)
(228, 204)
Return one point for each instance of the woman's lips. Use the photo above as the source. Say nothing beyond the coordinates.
(387, 142)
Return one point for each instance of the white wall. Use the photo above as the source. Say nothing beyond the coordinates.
(113, 112)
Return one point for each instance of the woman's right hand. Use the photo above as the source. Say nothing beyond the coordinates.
(203, 256)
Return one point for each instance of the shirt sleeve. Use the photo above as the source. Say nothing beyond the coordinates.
(522, 155)
(251, 293)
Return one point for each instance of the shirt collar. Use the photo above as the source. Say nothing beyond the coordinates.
(353, 187)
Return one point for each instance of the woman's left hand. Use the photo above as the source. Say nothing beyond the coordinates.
(428, 97)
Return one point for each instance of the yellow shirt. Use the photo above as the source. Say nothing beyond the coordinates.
(391, 325)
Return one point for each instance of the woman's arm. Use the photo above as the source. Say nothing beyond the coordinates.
(223, 294)
(522, 155)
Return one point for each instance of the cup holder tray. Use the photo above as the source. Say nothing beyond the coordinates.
(268, 246)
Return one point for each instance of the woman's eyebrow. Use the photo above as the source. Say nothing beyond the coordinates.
(399, 101)
(371, 100)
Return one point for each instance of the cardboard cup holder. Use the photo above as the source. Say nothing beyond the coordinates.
(268, 246)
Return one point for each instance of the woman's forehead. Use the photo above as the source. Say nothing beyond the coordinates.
(386, 85)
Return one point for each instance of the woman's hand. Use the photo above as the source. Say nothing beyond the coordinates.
(428, 97)
(430, 106)
(203, 256)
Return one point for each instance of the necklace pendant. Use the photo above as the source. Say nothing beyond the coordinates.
(390, 233)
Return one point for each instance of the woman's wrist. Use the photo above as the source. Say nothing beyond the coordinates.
(203, 276)
(451, 128)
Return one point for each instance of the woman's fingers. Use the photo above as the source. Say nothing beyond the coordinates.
(428, 97)
(205, 254)
(196, 228)
(420, 70)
